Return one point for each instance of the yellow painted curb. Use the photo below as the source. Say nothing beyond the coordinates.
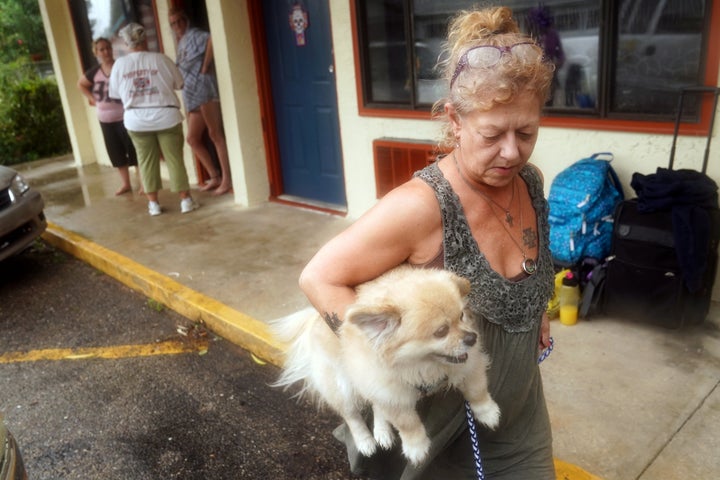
(568, 471)
(243, 330)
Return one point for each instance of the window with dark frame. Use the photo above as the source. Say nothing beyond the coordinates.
(616, 59)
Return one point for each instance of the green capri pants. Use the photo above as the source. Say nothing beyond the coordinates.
(149, 146)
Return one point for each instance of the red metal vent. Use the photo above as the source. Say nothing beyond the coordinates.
(397, 159)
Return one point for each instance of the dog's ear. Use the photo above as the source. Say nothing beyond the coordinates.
(374, 320)
(463, 284)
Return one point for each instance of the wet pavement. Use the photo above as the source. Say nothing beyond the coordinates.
(626, 400)
(99, 383)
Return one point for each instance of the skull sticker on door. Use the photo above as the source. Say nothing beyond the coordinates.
(299, 23)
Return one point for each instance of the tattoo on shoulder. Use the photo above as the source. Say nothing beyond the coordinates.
(333, 321)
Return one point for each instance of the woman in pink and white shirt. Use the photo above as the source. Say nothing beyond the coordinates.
(94, 85)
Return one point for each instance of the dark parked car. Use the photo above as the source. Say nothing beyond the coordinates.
(21, 213)
(11, 464)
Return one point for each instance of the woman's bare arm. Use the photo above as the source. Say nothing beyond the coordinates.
(389, 234)
(85, 87)
(207, 60)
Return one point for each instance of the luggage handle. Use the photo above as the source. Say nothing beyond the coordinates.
(699, 89)
(613, 176)
(607, 156)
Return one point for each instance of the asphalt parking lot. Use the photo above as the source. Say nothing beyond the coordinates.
(98, 382)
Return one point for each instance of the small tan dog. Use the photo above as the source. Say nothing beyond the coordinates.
(406, 334)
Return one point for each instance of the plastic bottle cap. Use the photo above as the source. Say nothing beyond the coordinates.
(570, 280)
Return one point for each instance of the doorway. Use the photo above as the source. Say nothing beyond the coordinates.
(300, 66)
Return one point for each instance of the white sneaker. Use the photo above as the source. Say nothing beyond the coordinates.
(154, 209)
(187, 205)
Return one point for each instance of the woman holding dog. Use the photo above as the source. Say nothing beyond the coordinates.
(480, 212)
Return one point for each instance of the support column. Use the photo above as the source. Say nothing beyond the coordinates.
(66, 64)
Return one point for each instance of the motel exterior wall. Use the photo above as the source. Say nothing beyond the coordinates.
(236, 68)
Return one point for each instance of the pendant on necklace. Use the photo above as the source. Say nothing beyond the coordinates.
(508, 218)
(529, 266)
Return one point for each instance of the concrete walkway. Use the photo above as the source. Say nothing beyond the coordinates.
(627, 401)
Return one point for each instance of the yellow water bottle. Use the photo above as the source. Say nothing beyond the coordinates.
(569, 299)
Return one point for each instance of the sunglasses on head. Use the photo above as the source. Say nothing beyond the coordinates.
(486, 56)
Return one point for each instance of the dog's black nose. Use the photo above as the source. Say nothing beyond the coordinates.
(469, 338)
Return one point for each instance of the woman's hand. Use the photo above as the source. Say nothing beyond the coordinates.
(544, 341)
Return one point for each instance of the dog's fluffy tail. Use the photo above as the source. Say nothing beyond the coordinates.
(290, 327)
(296, 331)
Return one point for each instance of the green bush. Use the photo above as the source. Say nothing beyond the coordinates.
(32, 124)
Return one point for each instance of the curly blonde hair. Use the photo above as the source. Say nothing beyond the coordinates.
(482, 88)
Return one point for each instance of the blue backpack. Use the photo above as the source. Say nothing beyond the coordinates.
(582, 200)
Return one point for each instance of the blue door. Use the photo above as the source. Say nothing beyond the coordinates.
(304, 97)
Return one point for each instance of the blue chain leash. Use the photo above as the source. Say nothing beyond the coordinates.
(471, 422)
(546, 352)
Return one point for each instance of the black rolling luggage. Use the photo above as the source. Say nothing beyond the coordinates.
(664, 250)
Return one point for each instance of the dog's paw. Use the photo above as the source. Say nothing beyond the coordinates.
(487, 413)
(366, 446)
(417, 452)
(384, 436)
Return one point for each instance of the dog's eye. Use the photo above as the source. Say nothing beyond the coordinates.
(442, 331)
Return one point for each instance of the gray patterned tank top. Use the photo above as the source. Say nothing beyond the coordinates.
(516, 306)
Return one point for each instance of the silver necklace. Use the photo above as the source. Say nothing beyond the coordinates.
(529, 265)
(508, 217)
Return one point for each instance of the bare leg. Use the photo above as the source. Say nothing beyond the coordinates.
(196, 128)
(213, 119)
(125, 177)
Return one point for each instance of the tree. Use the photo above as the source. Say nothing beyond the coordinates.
(21, 31)
(31, 122)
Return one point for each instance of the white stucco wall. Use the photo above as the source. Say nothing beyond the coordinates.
(237, 83)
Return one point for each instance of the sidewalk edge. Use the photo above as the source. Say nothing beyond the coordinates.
(237, 327)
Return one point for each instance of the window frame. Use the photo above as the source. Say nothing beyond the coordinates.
(576, 120)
